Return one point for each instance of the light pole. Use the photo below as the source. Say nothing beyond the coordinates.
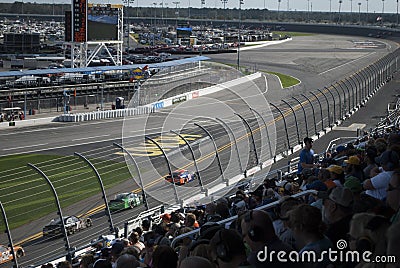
(308, 10)
(366, 19)
(155, 15)
(279, 6)
(359, 13)
(224, 2)
(383, 11)
(351, 7)
(162, 12)
(240, 22)
(330, 10)
(288, 5)
(203, 2)
(189, 9)
(128, 2)
(397, 14)
(340, 6)
(177, 15)
(264, 10)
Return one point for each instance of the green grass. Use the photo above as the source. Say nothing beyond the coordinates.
(293, 34)
(286, 80)
(26, 196)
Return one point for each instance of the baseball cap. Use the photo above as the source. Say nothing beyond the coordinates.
(335, 169)
(353, 160)
(353, 184)
(117, 248)
(340, 148)
(340, 195)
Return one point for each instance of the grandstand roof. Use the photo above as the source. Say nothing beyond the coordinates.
(100, 69)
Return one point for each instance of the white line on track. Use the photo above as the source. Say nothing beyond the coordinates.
(93, 137)
(350, 62)
(35, 145)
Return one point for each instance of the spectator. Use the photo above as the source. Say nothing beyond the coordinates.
(370, 155)
(190, 221)
(258, 232)
(87, 261)
(116, 250)
(102, 263)
(355, 186)
(186, 243)
(337, 212)
(64, 264)
(367, 233)
(164, 257)
(256, 197)
(393, 195)
(135, 242)
(127, 261)
(393, 247)
(376, 186)
(227, 249)
(146, 225)
(324, 175)
(337, 174)
(196, 262)
(222, 209)
(306, 156)
(281, 227)
(308, 229)
(352, 167)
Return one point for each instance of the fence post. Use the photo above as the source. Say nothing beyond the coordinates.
(284, 122)
(236, 147)
(305, 116)
(112, 228)
(334, 104)
(327, 104)
(352, 92)
(266, 129)
(216, 152)
(252, 137)
(348, 96)
(313, 112)
(320, 107)
(295, 120)
(10, 241)
(178, 201)
(194, 159)
(63, 230)
(146, 204)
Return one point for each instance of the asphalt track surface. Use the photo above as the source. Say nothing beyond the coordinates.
(317, 60)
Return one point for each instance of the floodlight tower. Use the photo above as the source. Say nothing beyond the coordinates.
(240, 25)
(128, 2)
(224, 2)
(340, 6)
(176, 3)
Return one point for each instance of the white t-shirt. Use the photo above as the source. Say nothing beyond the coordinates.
(380, 183)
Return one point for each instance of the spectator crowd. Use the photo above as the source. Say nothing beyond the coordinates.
(353, 206)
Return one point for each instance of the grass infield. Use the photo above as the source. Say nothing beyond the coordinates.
(26, 196)
(286, 80)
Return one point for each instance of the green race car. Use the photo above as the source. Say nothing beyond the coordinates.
(124, 201)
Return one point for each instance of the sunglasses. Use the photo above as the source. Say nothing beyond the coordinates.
(392, 188)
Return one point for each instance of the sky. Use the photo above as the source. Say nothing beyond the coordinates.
(389, 6)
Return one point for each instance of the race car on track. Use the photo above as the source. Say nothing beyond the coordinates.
(6, 255)
(72, 225)
(124, 201)
(180, 177)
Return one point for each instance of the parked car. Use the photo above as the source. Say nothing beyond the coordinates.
(124, 201)
(181, 177)
(72, 225)
(6, 255)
